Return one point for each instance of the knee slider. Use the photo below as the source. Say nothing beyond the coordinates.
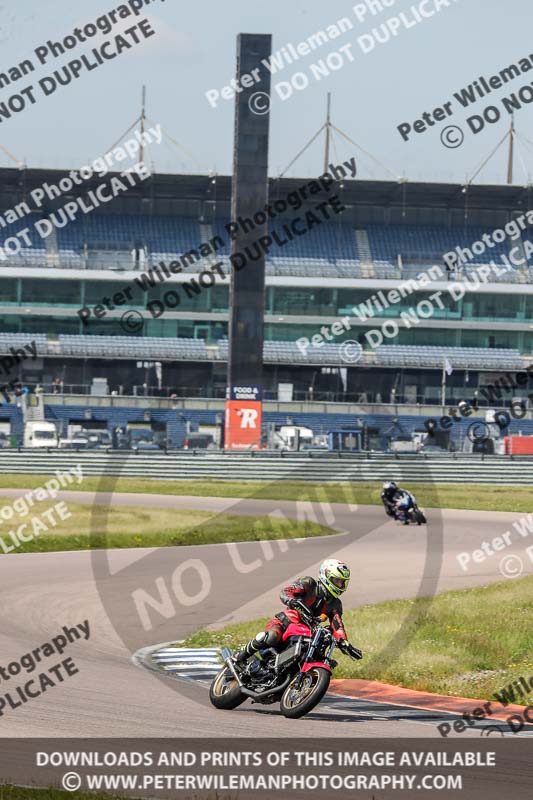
(256, 643)
(272, 638)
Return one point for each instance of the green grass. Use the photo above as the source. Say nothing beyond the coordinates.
(130, 526)
(483, 498)
(470, 643)
(22, 793)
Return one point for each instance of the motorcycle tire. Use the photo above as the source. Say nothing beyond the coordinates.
(225, 692)
(420, 517)
(298, 705)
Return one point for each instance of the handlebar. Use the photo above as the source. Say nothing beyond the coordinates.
(309, 619)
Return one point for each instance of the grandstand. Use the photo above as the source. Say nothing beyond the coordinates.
(388, 233)
(274, 352)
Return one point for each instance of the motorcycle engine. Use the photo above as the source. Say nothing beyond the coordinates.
(288, 656)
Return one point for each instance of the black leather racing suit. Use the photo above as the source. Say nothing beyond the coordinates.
(389, 500)
(315, 597)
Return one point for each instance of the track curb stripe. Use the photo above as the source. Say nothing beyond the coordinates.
(359, 689)
(389, 700)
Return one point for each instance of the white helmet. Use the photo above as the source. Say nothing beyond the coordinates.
(334, 576)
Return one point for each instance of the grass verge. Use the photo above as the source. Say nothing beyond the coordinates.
(131, 526)
(469, 643)
(462, 496)
(51, 793)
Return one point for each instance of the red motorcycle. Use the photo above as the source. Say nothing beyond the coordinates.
(297, 676)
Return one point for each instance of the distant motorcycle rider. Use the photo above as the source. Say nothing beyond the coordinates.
(395, 500)
(306, 599)
(389, 497)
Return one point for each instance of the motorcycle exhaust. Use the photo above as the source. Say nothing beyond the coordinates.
(260, 695)
(226, 657)
(226, 654)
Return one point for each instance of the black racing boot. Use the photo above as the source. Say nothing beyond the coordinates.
(241, 655)
(262, 641)
(248, 650)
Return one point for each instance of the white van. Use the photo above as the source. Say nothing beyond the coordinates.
(286, 436)
(40, 434)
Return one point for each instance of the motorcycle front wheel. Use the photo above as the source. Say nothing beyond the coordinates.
(297, 702)
(420, 517)
(225, 692)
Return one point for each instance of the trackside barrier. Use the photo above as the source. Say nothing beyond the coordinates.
(273, 466)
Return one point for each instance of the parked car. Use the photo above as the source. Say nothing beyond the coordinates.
(432, 448)
(100, 439)
(199, 441)
(77, 442)
(142, 445)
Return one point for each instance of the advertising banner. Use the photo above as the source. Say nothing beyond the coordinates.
(243, 418)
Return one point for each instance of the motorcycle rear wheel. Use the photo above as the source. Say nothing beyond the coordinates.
(225, 692)
(296, 703)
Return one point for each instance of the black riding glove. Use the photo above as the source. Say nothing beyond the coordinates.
(351, 651)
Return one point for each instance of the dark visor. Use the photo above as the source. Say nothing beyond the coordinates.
(340, 583)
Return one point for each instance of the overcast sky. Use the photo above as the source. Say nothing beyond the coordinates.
(193, 51)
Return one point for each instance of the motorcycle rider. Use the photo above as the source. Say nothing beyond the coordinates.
(396, 501)
(305, 599)
(402, 507)
(389, 497)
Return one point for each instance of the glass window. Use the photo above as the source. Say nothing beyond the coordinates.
(493, 306)
(97, 291)
(304, 302)
(56, 292)
(8, 290)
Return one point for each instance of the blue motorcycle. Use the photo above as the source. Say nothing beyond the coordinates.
(407, 511)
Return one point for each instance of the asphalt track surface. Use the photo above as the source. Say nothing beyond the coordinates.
(111, 696)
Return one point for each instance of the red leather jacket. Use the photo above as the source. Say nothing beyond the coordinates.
(313, 595)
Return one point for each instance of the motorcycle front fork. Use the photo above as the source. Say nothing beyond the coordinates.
(327, 661)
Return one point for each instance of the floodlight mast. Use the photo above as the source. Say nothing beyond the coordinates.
(247, 289)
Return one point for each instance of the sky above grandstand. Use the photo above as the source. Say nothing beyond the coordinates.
(424, 86)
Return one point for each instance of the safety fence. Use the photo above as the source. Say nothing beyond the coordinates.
(273, 466)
